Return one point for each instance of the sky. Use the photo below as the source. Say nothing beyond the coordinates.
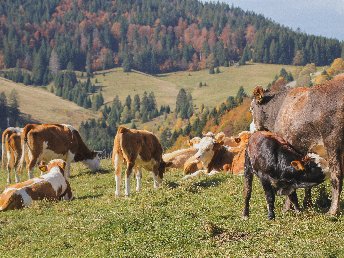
(319, 17)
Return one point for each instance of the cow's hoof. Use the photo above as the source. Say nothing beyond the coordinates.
(117, 194)
(333, 212)
(271, 216)
(245, 217)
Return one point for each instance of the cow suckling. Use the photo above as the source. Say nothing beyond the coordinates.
(280, 169)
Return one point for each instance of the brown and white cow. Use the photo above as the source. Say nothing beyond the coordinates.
(11, 149)
(179, 157)
(307, 118)
(215, 156)
(51, 186)
(139, 149)
(55, 141)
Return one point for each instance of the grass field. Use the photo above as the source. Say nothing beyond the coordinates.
(44, 106)
(198, 218)
(166, 86)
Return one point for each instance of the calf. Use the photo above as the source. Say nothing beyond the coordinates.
(179, 157)
(139, 149)
(50, 186)
(279, 168)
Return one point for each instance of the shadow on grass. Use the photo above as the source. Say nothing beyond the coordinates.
(204, 184)
(171, 184)
(89, 172)
(89, 196)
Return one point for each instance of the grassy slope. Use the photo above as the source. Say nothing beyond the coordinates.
(166, 86)
(44, 106)
(198, 218)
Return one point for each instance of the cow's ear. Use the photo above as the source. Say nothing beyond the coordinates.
(43, 168)
(220, 137)
(189, 143)
(297, 165)
(62, 165)
(258, 94)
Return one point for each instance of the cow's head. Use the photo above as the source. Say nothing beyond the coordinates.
(257, 109)
(94, 162)
(55, 163)
(207, 148)
(194, 142)
(162, 168)
(307, 172)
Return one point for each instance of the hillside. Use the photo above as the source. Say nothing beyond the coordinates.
(150, 36)
(197, 218)
(44, 106)
(166, 86)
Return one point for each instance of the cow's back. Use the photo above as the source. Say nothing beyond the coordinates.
(308, 114)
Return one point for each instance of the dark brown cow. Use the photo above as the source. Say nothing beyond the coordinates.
(280, 169)
(139, 148)
(307, 118)
(55, 141)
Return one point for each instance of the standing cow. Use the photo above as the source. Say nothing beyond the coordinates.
(280, 169)
(307, 118)
(11, 149)
(139, 149)
(55, 141)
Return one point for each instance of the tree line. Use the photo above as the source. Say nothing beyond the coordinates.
(151, 36)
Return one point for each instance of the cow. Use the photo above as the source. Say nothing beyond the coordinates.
(4, 139)
(139, 149)
(307, 118)
(280, 169)
(179, 157)
(55, 141)
(228, 158)
(14, 152)
(213, 155)
(51, 186)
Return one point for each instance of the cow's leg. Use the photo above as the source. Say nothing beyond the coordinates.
(15, 167)
(293, 199)
(270, 198)
(156, 178)
(128, 173)
(30, 167)
(138, 179)
(118, 173)
(247, 191)
(67, 170)
(307, 200)
(8, 169)
(336, 169)
(68, 195)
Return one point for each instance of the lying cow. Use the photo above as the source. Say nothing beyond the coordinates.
(179, 157)
(50, 186)
(139, 149)
(55, 141)
(279, 168)
(213, 155)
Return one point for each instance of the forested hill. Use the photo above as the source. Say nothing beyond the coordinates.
(148, 35)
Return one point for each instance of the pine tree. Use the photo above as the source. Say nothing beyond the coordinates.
(54, 62)
(3, 111)
(240, 95)
(13, 108)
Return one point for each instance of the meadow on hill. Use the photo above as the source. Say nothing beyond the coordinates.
(198, 218)
(166, 86)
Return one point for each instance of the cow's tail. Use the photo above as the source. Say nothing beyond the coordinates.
(248, 178)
